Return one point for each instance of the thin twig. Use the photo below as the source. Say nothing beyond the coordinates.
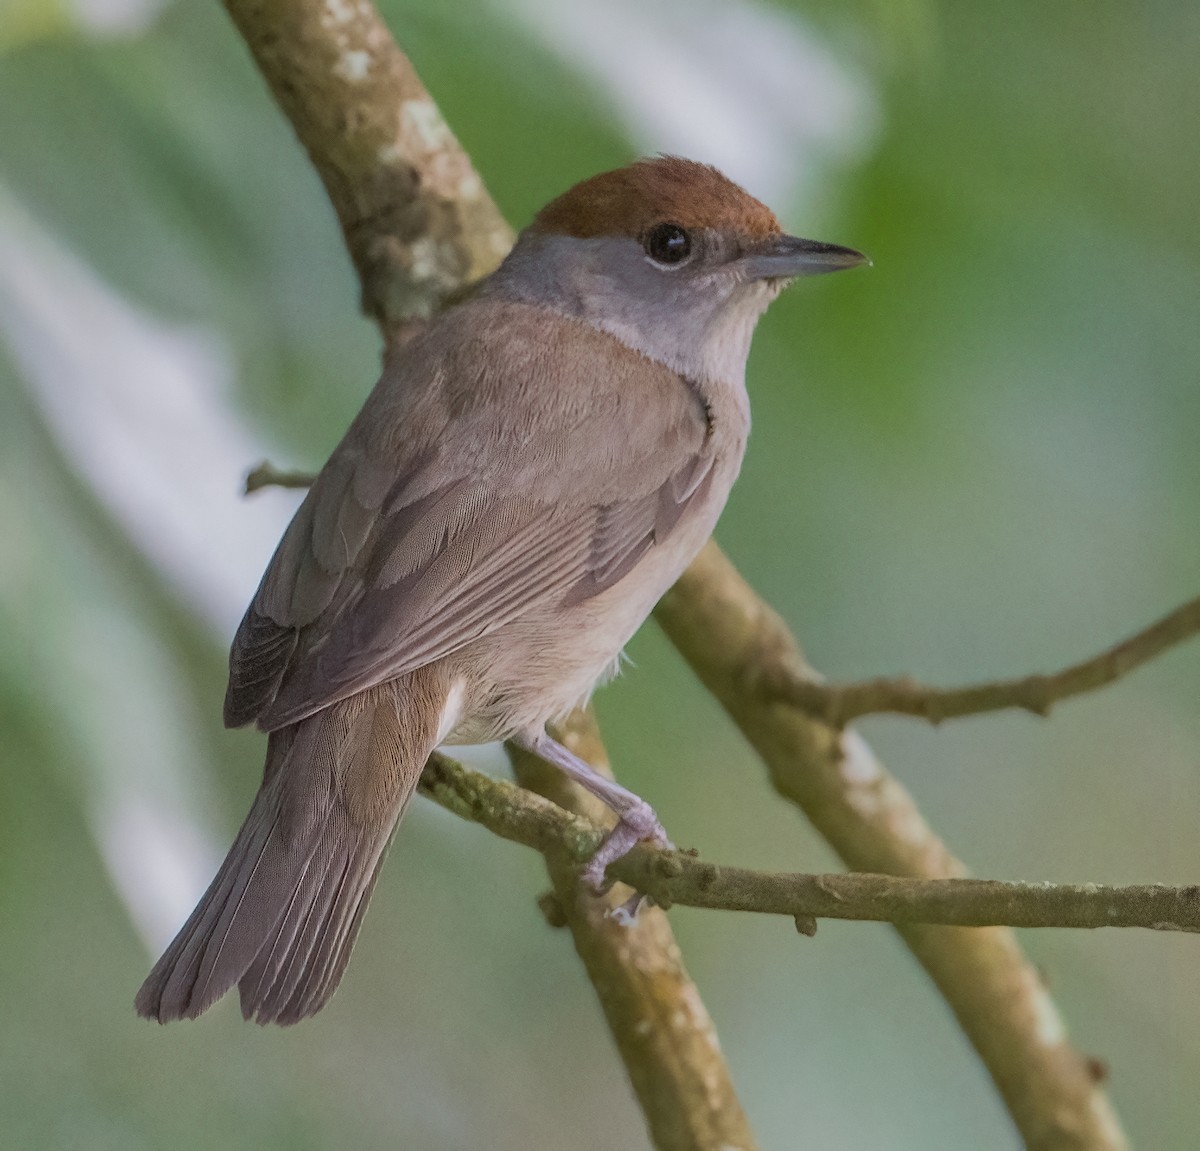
(675, 877)
(839, 704)
(654, 1010)
(267, 475)
(729, 636)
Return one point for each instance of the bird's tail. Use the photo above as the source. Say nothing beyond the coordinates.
(281, 916)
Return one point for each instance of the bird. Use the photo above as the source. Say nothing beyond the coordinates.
(530, 474)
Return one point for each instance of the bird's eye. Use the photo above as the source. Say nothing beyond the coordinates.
(667, 244)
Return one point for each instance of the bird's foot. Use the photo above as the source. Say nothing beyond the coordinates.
(636, 823)
(636, 820)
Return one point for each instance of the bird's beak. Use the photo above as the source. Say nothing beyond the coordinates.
(782, 257)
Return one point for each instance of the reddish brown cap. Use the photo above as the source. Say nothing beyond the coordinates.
(666, 189)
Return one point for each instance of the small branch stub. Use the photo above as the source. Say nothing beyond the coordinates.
(266, 475)
(551, 908)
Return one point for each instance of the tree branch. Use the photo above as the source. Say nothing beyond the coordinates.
(729, 636)
(416, 217)
(840, 704)
(675, 877)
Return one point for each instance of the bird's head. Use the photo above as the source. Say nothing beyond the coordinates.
(668, 255)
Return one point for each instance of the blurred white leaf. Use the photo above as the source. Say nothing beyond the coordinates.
(142, 411)
(115, 17)
(749, 88)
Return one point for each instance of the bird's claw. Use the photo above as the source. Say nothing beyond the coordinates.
(636, 824)
(626, 914)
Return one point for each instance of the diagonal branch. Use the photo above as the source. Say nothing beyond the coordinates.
(672, 877)
(729, 635)
(840, 704)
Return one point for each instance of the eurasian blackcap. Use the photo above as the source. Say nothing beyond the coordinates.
(528, 477)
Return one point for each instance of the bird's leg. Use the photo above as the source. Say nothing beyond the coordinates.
(636, 819)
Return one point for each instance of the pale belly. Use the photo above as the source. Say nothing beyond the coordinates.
(539, 668)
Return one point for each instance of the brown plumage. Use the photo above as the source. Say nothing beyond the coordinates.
(527, 478)
(282, 914)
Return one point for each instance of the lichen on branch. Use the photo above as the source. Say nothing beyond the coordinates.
(416, 217)
(674, 877)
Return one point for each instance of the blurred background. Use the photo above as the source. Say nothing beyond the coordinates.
(979, 458)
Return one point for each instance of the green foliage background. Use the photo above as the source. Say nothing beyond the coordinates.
(979, 458)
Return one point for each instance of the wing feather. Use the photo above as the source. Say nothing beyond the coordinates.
(445, 515)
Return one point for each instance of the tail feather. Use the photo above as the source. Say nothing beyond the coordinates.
(267, 991)
(291, 941)
(171, 989)
(324, 972)
(281, 917)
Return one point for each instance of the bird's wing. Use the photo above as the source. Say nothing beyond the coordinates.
(505, 496)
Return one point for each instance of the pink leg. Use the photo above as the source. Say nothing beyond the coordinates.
(636, 819)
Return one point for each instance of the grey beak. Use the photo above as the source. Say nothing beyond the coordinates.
(787, 256)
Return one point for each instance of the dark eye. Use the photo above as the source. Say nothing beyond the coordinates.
(667, 244)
